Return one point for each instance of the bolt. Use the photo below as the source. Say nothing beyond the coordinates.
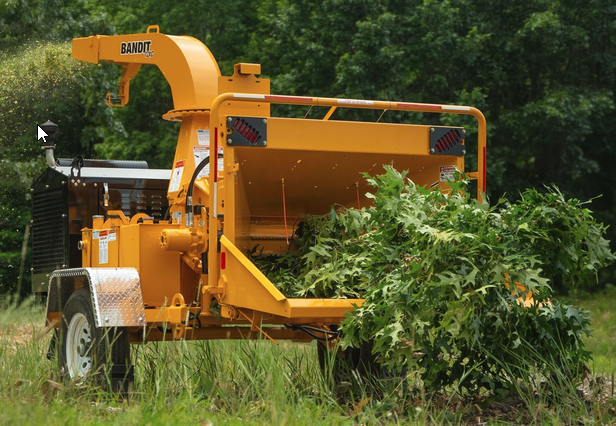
(63, 182)
(139, 319)
(31, 189)
(84, 184)
(431, 129)
(463, 152)
(264, 143)
(463, 131)
(106, 319)
(229, 141)
(265, 121)
(229, 119)
(46, 186)
(63, 214)
(432, 150)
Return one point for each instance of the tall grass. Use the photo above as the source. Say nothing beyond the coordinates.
(255, 382)
(602, 306)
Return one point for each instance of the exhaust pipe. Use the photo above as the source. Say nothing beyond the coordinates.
(51, 129)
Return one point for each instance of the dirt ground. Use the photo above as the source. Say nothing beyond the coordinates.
(17, 335)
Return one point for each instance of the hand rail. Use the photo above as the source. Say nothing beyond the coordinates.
(331, 102)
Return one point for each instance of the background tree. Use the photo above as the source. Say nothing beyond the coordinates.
(543, 72)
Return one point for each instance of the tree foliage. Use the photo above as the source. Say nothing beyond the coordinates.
(458, 290)
(543, 72)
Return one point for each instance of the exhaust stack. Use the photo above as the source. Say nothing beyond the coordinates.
(51, 129)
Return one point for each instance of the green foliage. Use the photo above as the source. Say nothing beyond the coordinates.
(567, 240)
(49, 20)
(14, 216)
(543, 72)
(35, 84)
(437, 272)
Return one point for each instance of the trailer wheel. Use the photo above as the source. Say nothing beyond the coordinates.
(89, 353)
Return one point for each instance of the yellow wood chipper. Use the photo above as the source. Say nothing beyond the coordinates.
(126, 254)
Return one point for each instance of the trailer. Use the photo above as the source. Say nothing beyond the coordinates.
(120, 263)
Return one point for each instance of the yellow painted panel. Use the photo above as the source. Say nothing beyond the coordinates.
(322, 308)
(322, 164)
(314, 181)
(247, 287)
(159, 270)
(347, 136)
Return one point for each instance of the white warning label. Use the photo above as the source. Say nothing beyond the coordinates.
(203, 136)
(201, 153)
(103, 247)
(355, 102)
(446, 173)
(176, 176)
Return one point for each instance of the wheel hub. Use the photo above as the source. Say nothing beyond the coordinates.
(78, 346)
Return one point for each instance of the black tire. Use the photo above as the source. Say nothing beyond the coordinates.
(91, 353)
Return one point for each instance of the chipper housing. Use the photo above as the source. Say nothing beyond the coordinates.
(241, 178)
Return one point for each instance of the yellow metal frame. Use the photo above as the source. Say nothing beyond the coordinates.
(203, 99)
(249, 288)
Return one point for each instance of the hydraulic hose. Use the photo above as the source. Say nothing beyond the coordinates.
(188, 211)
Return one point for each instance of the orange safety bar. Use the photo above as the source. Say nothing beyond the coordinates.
(331, 102)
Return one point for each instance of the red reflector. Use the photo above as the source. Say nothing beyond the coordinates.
(223, 260)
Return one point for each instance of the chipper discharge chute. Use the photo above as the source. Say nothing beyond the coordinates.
(241, 178)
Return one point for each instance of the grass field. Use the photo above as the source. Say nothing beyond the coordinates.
(256, 382)
(603, 343)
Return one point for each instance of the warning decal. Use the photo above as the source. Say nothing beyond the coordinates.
(203, 136)
(176, 176)
(446, 173)
(355, 102)
(201, 153)
(103, 247)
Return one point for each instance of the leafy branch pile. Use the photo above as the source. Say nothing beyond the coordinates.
(447, 280)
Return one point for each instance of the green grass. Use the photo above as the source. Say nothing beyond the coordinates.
(602, 344)
(256, 382)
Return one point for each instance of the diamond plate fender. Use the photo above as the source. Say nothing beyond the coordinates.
(116, 294)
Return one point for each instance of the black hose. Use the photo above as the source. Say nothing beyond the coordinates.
(189, 192)
(312, 330)
(192, 317)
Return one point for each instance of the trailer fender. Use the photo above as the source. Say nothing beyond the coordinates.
(116, 295)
